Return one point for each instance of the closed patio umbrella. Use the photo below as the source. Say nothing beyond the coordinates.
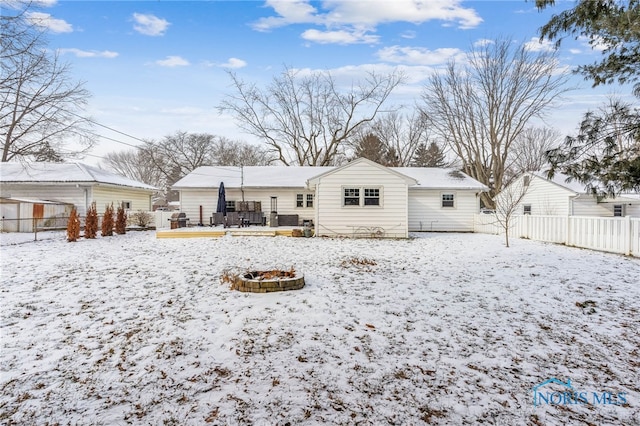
(222, 200)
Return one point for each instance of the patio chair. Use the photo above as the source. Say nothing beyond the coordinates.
(217, 219)
(232, 219)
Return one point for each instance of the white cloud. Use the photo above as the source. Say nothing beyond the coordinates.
(89, 53)
(483, 42)
(575, 51)
(536, 45)
(173, 61)
(408, 34)
(342, 19)
(45, 20)
(150, 25)
(289, 12)
(598, 44)
(419, 55)
(234, 63)
(339, 37)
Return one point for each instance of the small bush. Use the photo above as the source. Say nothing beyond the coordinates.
(107, 221)
(121, 221)
(91, 223)
(73, 226)
(141, 219)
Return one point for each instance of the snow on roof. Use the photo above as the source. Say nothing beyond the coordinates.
(439, 178)
(250, 176)
(63, 172)
(561, 180)
(297, 176)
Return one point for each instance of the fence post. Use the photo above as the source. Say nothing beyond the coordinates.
(627, 234)
(567, 235)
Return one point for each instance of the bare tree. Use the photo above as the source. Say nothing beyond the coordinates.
(180, 153)
(402, 135)
(507, 204)
(136, 164)
(306, 119)
(40, 104)
(529, 151)
(236, 153)
(479, 108)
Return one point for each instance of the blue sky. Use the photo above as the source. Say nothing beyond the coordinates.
(156, 67)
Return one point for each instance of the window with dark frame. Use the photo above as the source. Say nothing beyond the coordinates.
(526, 209)
(231, 205)
(618, 210)
(448, 200)
(299, 200)
(371, 196)
(310, 200)
(351, 197)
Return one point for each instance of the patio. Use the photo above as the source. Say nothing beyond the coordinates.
(219, 231)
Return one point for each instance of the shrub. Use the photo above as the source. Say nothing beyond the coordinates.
(91, 223)
(73, 226)
(141, 219)
(107, 221)
(121, 221)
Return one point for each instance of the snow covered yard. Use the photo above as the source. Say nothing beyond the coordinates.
(441, 328)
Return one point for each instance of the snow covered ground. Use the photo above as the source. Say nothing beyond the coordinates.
(440, 328)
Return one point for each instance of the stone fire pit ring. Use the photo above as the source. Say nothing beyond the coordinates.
(268, 281)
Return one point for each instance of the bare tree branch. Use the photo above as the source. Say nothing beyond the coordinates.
(306, 120)
(481, 107)
(40, 104)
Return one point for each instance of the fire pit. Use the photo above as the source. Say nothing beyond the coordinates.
(268, 281)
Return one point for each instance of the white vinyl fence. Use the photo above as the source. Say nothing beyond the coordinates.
(612, 234)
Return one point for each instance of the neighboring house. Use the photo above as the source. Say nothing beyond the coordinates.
(20, 214)
(558, 197)
(359, 198)
(73, 183)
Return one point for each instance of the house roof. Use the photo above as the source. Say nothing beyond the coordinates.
(562, 180)
(64, 173)
(249, 177)
(579, 189)
(317, 178)
(208, 177)
(440, 178)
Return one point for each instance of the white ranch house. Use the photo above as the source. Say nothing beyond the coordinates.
(68, 184)
(558, 197)
(359, 198)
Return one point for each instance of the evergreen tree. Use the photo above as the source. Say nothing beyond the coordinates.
(605, 155)
(91, 222)
(612, 24)
(372, 148)
(121, 221)
(107, 221)
(73, 226)
(431, 156)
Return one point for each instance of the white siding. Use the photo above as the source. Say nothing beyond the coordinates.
(391, 217)
(586, 205)
(427, 214)
(66, 193)
(103, 196)
(80, 196)
(192, 199)
(546, 198)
